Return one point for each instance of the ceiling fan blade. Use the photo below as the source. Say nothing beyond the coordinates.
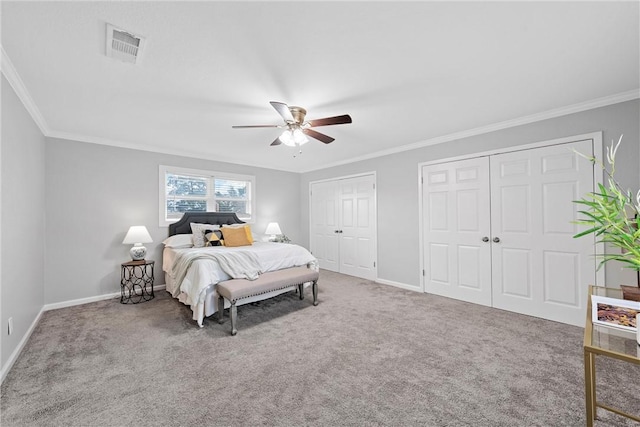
(337, 120)
(319, 136)
(283, 110)
(276, 141)
(255, 126)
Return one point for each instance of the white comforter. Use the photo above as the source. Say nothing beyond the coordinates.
(236, 264)
(206, 271)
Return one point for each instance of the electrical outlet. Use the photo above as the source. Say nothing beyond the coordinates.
(10, 327)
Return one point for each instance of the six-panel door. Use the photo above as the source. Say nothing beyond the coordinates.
(456, 225)
(538, 267)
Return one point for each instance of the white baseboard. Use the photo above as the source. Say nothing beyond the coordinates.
(71, 303)
(14, 356)
(398, 285)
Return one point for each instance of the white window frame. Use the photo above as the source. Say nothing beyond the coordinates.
(212, 176)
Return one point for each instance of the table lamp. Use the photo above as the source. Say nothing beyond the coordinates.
(273, 229)
(137, 235)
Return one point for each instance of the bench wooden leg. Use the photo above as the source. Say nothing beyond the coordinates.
(315, 292)
(301, 290)
(234, 317)
(220, 309)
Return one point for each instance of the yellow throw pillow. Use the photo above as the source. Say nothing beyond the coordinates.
(246, 227)
(235, 236)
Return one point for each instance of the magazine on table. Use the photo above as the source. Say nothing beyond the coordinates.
(616, 313)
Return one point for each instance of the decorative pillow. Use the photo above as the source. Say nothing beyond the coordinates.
(198, 231)
(247, 229)
(213, 238)
(235, 236)
(179, 241)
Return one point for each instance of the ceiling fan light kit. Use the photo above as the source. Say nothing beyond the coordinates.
(293, 137)
(296, 128)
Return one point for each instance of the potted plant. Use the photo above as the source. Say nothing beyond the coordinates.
(612, 214)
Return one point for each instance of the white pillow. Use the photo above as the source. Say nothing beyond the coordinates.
(198, 231)
(179, 241)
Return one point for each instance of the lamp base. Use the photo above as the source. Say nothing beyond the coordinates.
(138, 252)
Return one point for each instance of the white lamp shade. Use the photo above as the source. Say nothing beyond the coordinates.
(273, 228)
(293, 137)
(137, 234)
(299, 137)
(287, 138)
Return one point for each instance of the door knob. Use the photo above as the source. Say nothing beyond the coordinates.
(485, 239)
(496, 239)
(336, 231)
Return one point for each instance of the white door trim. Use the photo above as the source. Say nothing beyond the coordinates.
(597, 176)
(355, 175)
(595, 136)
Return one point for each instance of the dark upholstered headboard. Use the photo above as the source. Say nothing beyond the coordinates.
(220, 218)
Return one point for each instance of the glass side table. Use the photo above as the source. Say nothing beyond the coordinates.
(609, 342)
(136, 281)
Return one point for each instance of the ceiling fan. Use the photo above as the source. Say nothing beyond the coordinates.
(296, 127)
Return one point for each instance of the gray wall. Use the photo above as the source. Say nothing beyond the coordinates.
(22, 216)
(397, 179)
(95, 192)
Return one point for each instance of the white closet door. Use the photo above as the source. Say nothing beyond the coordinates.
(325, 217)
(456, 219)
(538, 267)
(357, 226)
(343, 225)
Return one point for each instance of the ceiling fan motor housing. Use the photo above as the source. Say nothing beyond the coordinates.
(298, 114)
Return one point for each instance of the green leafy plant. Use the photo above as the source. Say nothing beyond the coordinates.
(281, 238)
(612, 215)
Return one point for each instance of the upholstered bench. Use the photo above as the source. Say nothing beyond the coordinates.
(235, 290)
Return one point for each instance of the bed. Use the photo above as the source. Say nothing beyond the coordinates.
(192, 273)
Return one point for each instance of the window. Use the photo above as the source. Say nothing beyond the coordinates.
(191, 190)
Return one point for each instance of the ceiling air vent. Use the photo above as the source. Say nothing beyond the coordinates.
(123, 45)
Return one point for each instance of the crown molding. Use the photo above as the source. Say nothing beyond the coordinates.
(551, 114)
(9, 71)
(160, 150)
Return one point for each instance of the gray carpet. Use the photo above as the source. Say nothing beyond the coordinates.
(367, 355)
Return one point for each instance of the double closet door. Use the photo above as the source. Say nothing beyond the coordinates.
(498, 231)
(343, 225)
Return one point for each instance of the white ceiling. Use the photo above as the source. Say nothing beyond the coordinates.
(409, 73)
